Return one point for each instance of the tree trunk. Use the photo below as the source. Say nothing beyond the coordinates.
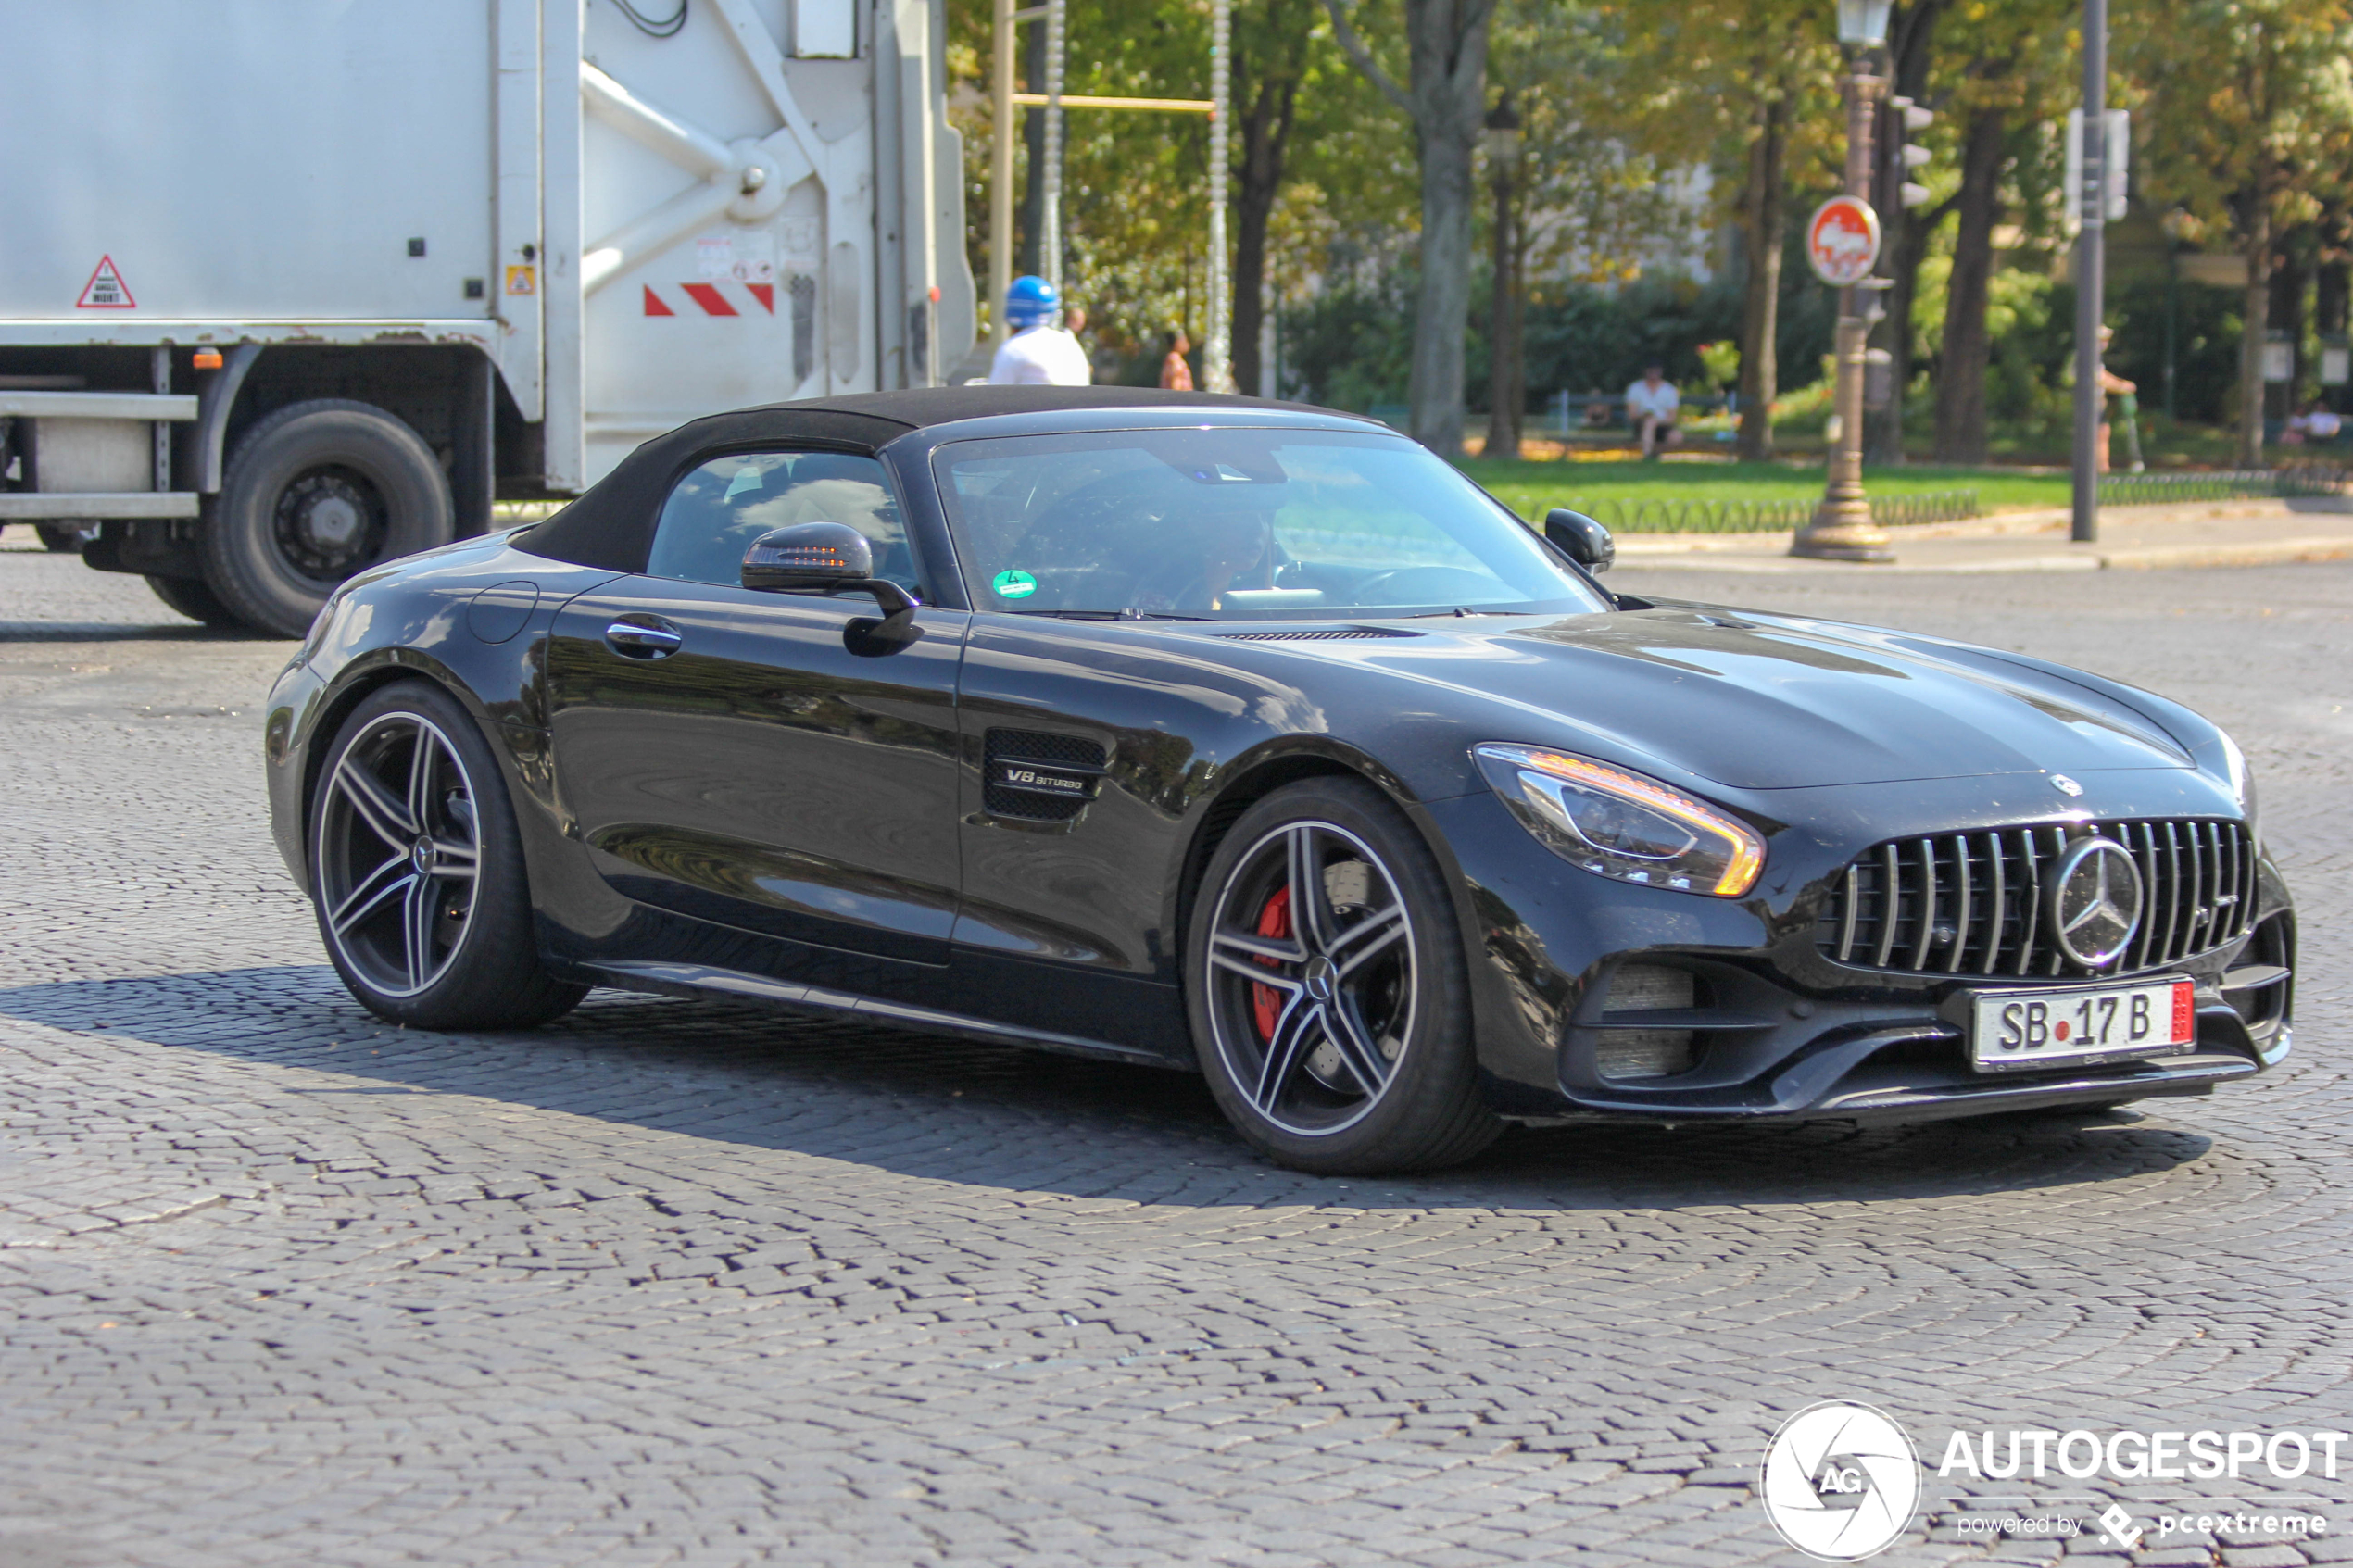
(1504, 398)
(1762, 222)
(1446, 97)
(1266, 129)
(1960, 369)
(2258, 313)
(1032, 228)
(1440, 318)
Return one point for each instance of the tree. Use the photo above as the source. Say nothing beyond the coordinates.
(1746, 85)
(1273, 47)
(1446, 100)
(2257, 100)
(1998, 81)
(1910, 34)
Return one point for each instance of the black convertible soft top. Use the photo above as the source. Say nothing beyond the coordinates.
(611, 525)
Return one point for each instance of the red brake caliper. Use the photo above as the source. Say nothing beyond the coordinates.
(1266, 1002)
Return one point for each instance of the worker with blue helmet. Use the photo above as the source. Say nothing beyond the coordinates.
(1038, 353)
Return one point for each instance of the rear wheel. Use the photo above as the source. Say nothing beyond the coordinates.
(417, 871)
(1326, 987)
(191, 598)
(64, 538)
(316, 493)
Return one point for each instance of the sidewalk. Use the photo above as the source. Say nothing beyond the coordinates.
(2177, 534)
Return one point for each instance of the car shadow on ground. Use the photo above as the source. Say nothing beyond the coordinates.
(946, 1110)
(116, 631)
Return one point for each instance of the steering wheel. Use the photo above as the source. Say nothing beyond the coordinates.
(1432, 584)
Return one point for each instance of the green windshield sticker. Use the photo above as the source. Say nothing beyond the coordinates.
(1013, 585)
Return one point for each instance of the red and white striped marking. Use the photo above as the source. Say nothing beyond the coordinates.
(709, 299)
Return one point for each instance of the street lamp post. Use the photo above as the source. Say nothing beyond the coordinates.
(1841, 527)
(1505, 399)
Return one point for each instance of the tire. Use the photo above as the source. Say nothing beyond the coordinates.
(1339, 1043)
(64, 538)
(191, 598)
(316, 493)
(421, 895)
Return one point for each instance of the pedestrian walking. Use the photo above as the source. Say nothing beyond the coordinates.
(1038, 353)
(1175, 375)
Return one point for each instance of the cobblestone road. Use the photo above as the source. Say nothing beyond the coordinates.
(679, 1282)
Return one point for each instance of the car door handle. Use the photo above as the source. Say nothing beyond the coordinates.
(648, 637)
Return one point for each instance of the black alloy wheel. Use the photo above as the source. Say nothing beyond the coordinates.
(1328, 990)
(317, 492)
(331, 521)
(417, 871)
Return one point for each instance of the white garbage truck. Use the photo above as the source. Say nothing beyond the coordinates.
(290, 287)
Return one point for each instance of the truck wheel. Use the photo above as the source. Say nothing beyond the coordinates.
(193, 599)
(316, 493)
(64, 538)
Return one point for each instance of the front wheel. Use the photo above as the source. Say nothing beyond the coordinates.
(1326, 988)
(417, 871)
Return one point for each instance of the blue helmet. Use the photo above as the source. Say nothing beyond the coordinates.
(1030, 301)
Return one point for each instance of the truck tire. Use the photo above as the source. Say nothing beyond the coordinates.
(64, 538)
(193, 599)
(317, 492)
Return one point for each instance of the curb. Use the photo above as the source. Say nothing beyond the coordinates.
(2144, 557)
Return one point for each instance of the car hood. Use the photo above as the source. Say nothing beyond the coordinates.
(1766, 702)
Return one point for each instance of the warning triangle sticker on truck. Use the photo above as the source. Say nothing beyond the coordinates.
(105, 290)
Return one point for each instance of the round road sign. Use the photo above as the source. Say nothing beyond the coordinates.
(1842, 241)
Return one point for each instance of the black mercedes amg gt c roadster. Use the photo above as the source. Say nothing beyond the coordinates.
(1215, 734)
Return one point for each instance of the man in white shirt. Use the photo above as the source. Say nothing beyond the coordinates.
(1038, 353)
(1651, 405)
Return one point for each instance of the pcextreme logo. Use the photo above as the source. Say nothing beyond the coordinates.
(1841, 1481)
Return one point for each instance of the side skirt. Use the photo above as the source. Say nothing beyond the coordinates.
(703, 980)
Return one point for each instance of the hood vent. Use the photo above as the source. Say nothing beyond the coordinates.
(1320, 635)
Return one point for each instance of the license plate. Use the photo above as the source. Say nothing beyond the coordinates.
(2076, 1025)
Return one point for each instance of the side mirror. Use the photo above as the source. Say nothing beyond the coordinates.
(819, 558)
(1587, 542)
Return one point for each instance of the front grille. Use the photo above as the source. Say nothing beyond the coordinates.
(1038, 776)
(1974, 903)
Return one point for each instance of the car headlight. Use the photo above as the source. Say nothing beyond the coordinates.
(1620, 824)
(2241, 778)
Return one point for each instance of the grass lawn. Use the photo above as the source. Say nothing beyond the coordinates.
(1533, 489)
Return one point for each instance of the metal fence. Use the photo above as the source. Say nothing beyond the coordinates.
(2239, 485)
(1665, 515)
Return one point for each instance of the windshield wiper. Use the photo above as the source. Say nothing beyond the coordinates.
(1107, 615)
(1428, 614)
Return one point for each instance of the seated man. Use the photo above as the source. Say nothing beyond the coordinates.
(1219, 552)
(1651, 405)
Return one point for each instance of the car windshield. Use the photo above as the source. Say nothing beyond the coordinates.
(1240, 524)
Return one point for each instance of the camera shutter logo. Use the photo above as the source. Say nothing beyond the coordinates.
(2095, 901)
(1840, 1481)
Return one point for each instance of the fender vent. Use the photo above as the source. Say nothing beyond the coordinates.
(1039, 777)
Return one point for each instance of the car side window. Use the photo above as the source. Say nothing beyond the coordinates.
(714, 513)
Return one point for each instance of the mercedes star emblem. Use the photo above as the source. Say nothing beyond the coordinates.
(2065, 786)
(2095, 901)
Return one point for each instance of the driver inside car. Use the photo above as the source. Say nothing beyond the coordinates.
(1222, 552)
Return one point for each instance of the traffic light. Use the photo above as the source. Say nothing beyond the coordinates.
(2117, 153)
(1898, 117)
